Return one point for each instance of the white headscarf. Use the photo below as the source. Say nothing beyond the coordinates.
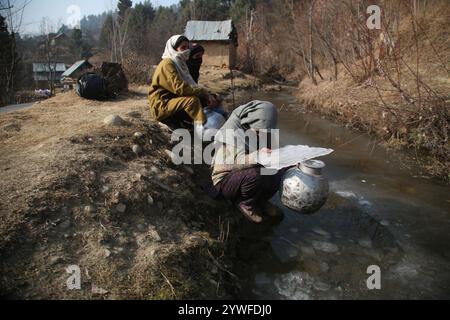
(179, 59)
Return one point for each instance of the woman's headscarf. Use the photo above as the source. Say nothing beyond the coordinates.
(194, 65)
(256, 115)
(179, 59)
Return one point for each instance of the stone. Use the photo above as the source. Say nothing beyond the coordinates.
(262, 279)
(116, 198)
(65, 210)
(308, 251)
(164, 127)
(214, 270)
(89, 209)
(324, 267)
(107, 253)
(291, 252)
(321, 286)
(98, 290)
(106, 189)
(327, 247)
(198, 240)
(150, 200)
(55, 260)
(188, 170)
(169, 154)
(65, 224)
(365, 243)
(321, 232)
(11, 127)
(213, 282)
(272, 88)
(385, 223)
(154, 235)
(134, 114)
(138, 135)
(114, 120)
(154, 170)
(121, 208)
(374, 254)
(165, 187)
(137, 149)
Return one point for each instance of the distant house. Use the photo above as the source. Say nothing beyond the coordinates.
(43, 72)
(77, 69)
(219, 38)
(60, 39)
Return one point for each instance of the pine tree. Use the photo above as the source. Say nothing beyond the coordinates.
(105, 33)
(123, 6)
(141, 19)
(79, 48)
(9, 63)
(76, 40)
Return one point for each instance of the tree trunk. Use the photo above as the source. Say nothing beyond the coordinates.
(311, 44)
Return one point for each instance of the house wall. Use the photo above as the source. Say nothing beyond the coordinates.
(44, 76)
(41, 80)
(218, 54)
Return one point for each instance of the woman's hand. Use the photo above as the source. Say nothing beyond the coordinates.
(266, 150)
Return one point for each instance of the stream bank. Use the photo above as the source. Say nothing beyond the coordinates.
(380, 212)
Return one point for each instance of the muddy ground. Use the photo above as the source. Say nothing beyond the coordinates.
(73, 192)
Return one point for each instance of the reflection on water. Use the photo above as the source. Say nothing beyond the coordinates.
(377, 214)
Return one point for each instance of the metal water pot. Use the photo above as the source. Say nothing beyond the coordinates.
(304, 189)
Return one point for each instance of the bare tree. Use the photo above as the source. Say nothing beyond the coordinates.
(14, 15)
(311, 43)
(50, 52)
(118, 35)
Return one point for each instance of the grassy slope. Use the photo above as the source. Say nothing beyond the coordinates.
(58, 158)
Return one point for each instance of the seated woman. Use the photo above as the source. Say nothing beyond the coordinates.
(194, 64)
(174, 96)
(240, 180)
(195, 61)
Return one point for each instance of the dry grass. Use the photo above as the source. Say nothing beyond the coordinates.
(417, 119)
(56, 159)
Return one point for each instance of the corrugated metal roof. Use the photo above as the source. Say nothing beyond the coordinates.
(75, 67)
(44, 67)
(209, 30)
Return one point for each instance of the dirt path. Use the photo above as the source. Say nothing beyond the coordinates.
(16, 107)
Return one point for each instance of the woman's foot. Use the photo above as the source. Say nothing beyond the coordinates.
(250, 213)
(272, 212)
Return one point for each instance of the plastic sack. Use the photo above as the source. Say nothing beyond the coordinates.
(214, 122)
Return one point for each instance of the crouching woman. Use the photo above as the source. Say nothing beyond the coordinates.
(174, 96)
(236, 175)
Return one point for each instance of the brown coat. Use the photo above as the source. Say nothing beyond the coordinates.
(169, 94)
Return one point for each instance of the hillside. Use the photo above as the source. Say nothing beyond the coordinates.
(74, 193)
